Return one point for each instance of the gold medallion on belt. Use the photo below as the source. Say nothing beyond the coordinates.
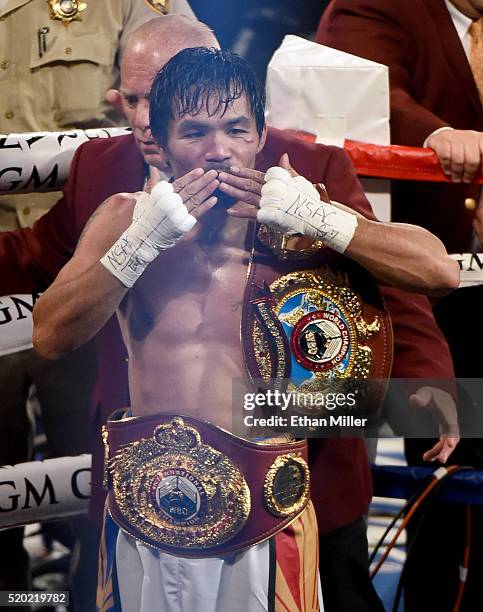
(179, 491)
(287, 485)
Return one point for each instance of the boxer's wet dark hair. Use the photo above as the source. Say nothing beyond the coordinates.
(202, 78)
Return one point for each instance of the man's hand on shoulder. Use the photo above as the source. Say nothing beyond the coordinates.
(460, 153)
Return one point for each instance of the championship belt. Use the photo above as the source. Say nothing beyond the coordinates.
(314, 321)
(190, 488)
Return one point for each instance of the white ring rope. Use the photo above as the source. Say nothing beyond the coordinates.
(40, 161)
(44, 490)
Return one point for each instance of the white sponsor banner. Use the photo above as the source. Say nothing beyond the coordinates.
(334, 95)
(471, 268)
(44, 490)
(40, 161)
(16, 323)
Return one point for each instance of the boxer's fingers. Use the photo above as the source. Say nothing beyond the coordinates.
(243, 211)
(180, 183)
(247, 183)
(204, 207)
(195, 186)
(195, 201)
(248, 197)
(248, 173)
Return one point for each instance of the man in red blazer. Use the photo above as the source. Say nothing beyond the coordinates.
(30, 259)
(431, 87)
(436, 102)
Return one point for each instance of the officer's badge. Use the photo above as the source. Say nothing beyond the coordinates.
(160, 6)
(66, 10)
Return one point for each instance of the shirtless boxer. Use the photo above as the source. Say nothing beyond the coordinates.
(174, 265)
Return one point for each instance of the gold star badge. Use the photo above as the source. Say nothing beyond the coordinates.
(160, 6)
(66, 10)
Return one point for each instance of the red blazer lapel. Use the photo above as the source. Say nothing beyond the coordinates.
(454, 50)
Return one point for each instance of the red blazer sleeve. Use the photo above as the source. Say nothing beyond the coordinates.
(31, 258)
(420, 349)
(341, 482)
(383, 31)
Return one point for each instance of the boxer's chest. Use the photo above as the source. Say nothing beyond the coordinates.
(190, 293)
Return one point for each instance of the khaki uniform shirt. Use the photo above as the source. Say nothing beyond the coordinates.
(58, 80)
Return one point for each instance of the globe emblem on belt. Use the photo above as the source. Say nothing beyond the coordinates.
(178, 495)
(320, 340)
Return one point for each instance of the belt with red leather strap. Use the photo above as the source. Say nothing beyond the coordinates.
(189, 488)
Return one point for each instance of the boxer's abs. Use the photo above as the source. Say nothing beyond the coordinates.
(181, 323)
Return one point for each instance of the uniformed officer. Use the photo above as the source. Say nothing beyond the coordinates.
(57, 60)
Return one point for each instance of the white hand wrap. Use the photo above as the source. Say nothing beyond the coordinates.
(159, 220)
(293, 206)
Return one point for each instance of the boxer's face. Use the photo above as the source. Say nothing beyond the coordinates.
(226, 138)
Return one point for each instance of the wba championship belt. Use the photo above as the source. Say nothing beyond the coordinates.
(314, 321)
(190, 488)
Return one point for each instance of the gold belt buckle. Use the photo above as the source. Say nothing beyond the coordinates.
(178, 491)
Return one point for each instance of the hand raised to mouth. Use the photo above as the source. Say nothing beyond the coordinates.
(245, 186)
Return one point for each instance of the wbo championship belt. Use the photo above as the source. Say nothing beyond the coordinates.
(190, 488)
(314, 321)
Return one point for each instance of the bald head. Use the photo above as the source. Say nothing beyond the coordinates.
(164, 37)
(148, 49)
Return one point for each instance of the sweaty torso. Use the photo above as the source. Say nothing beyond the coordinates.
(181, 325)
